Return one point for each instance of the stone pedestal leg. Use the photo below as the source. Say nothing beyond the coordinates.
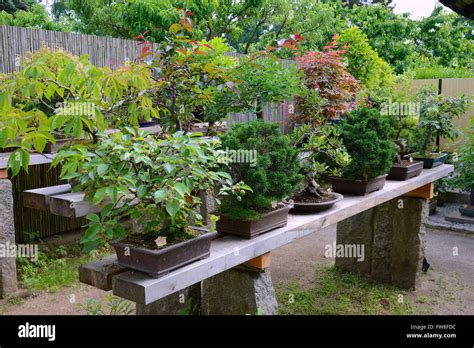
(184, 302)
(239, 292)
(8, 281)
(392, 236)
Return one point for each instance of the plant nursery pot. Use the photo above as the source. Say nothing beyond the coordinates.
(250, 229)
(300, 207)
(467, 210)
(405, 170)
(430, 162)
(357, 187)
(157, 263)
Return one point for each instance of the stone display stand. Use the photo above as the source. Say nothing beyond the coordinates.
(392, 235)
(387, 222)
(8, 281)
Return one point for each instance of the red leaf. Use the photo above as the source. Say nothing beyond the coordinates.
(299, 37)
(189, 13)
(182, 50)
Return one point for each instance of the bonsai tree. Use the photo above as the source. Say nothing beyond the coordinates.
(366, 136)
(437, 114)
(323, 153)
(188, 73)
(273, 175)
(327, 73)
(464, 179)
(156, 181)
(56, 94)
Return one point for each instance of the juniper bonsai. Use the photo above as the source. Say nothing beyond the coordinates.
(366, 136)
(322, 153)
(274, 175)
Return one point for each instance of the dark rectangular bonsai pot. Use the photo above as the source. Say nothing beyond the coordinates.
(430, 162)
(157, 263)
(250, 229)
(357, 187)
(405, 172)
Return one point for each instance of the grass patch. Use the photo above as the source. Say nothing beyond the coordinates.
(339, 293)
(54, 268)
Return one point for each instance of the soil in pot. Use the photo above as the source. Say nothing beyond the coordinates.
(249, 229)
(357, 187)
(405, 170)
(430, 160)
(306, 202)
(141, 253)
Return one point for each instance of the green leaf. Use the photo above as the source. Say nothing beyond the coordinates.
(102, 168)
(99, 195)
(172, 208)
(160, 195)
(3, 137)
(93, 217)
(181, 188)
(142, 191)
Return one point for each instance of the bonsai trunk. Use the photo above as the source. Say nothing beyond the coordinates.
(313, 187)
(259, 110)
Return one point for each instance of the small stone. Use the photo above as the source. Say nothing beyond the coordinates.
(160, 242)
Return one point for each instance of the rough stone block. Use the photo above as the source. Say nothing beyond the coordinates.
(184, 302)
(8, 281)
(393, 235)
(238, 292)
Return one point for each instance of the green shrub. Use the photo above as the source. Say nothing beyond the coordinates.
(274, 175)
(365, 64)
(365, 133)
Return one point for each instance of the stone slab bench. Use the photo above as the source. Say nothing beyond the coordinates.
(389, 223)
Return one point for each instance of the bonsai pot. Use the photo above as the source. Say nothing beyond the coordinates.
(472, 197)
(250, 229)
(303, 207)
(435, 159)
(146, 124)
(357, 187)
(160, 262)
(467, 210)
(405, 170)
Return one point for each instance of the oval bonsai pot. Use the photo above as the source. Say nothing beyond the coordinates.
(300, 207)
(405, 170)
(467, 210)
(157, 263)
(430, 162)
(249, 229)
(357, 187)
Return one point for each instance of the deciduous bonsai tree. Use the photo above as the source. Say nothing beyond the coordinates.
(56, 94)
(155, 181)
(366, 136)
(273, 174)
(437, 115)
(323, 153)
(464, 179)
